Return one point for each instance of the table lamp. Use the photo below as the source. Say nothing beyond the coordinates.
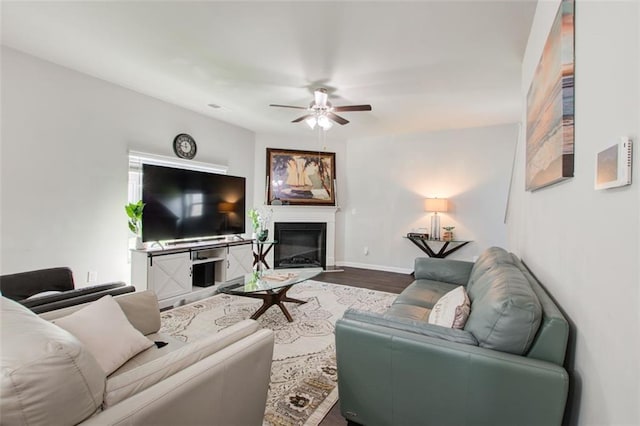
(435, 205)
(226, 208)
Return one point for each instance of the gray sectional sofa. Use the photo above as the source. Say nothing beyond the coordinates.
(504, 367)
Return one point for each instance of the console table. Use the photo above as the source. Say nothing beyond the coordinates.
(423, 244)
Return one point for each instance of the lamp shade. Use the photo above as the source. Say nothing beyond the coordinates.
(226, 207)
(435, 204)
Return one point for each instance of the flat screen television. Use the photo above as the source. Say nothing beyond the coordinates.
(187, 204)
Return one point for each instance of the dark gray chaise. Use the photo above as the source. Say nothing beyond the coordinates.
(24, 287)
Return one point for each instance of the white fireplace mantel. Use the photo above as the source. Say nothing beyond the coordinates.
(326, 214)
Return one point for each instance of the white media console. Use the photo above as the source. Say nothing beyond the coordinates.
(188, 272)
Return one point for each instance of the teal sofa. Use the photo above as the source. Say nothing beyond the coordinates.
(505, 367)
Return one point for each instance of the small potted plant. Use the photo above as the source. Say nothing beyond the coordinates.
(260, 222)
(134, 212)
(447, 235)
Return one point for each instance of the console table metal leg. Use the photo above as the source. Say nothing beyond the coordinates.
(443, 251)
(456, 248)
(423, 245)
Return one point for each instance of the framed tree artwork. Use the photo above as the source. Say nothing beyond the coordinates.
(550, 106)
(301, 177)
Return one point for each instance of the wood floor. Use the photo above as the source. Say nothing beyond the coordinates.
(375, 280)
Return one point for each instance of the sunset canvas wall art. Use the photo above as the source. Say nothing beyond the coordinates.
(550, 106)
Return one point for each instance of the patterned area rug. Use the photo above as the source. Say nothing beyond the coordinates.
(303, 384)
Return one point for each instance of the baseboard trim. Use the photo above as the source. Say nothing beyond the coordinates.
(375, 267)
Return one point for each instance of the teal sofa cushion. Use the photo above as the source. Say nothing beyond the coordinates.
(408, 311)
(446, 270)
(424, 293)
(505, 311)
(491, 258)
(419, 327)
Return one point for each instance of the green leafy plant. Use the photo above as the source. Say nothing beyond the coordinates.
(134, 212)
(254, 215)
(448, 228)
(260, 218)
(253, 282)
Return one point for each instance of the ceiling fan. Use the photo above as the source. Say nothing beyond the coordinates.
(322, 113)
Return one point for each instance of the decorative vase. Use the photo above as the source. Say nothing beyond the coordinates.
(254, 236)
(139, 243)
(447, 236)
(263, 235)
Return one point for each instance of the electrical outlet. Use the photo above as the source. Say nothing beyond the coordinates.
(366, 250)
(92, 277)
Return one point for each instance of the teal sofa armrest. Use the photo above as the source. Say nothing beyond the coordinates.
(392, 377)
(446, 270)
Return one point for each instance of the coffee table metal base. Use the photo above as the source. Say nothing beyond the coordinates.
(271, 298)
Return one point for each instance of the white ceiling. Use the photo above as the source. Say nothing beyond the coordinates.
(422, 65)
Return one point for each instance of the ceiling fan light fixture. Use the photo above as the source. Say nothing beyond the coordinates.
(320, 97)
(311, 121)
(324, 122)
(322, 113)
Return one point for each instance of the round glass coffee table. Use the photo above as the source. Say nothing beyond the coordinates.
(270, 285)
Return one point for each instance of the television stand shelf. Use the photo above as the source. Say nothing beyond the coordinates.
(188, 272)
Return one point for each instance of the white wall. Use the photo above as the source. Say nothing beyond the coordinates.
(389, 177)
(583, 244)
(65, 141)
(312, 142)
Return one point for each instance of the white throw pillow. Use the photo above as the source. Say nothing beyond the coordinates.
(106, 332)
(48, 376)
(452, 309)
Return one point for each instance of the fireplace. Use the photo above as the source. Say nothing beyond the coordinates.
(300, 245)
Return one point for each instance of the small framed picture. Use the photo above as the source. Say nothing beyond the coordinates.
(613, 165)
(301, 177)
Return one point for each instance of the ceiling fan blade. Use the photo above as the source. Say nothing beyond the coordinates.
(352, 108)
(320, 97)
(337, 118)
(287, 106)
(299, 119)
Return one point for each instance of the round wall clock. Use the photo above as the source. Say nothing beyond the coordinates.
(184, 146)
